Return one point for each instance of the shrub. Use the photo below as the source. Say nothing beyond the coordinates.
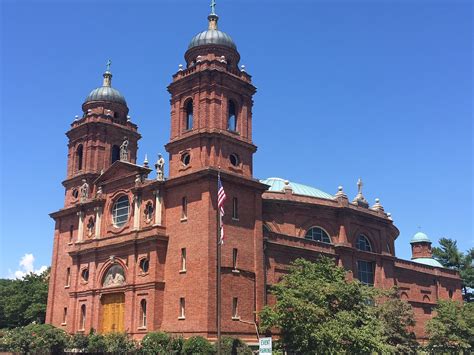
(96, 343)
(155, 343)
(176, 345)
(36, 339)
(119, 343)
(234, 346)
(161, 343)
(79, 342)
(198, 345)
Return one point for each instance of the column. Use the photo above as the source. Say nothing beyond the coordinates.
(80, 229)
(158, 208)
(136, 213)
(98, 220)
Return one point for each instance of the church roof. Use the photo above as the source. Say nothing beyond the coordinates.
(428, 261)
(106, 93)
(212, 37)
(278, 185)
(420, 237)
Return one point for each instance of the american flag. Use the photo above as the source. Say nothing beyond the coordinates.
(220, 205)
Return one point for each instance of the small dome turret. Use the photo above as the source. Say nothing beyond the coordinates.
(420, 237)
(212, 35)
(106, 92)
(421, 250)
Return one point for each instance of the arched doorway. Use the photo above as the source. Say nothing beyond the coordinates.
(112, 310)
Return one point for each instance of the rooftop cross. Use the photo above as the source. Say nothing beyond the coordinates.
(359, 186)
(109, 62)
(213, 7)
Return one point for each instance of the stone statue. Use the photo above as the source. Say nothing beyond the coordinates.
(84, 190)
(114, 277)
(99, 191)
(160, 168)
(124, 150)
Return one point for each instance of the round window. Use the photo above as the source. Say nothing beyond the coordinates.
(121, 211)
(85, 274)
(234, 159)
(185, 159)
(144, 265)
(75, 193)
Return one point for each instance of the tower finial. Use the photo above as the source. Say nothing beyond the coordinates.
(107, 75)
(213, 7)
(213, 16)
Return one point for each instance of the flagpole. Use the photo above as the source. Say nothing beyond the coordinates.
(218, 275)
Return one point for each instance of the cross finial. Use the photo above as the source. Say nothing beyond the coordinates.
(359, 186)
(213, 7)
(109, 62)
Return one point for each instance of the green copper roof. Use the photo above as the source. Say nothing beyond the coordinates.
(278, 185)
(420, 237)
(428, 261)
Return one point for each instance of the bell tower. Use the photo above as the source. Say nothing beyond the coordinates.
(96, 138)
(211, 107)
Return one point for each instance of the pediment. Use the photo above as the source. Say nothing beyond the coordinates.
(120, 170)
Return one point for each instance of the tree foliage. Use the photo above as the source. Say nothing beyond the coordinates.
(449, 255)
(161, 343)
(318, 310)
(397, 320)
(23, 301)
(198, 345)
(452, 329)
(34, 339)
(234, 346)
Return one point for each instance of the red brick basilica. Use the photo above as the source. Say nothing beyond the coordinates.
(136, 252)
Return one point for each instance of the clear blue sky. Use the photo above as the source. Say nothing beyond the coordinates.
(375, 89)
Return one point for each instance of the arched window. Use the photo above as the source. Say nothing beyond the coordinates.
(363, 243)
(143, 313)
(82, 320)
(115, 153)
(318, 234)
(79, 153)
(121, 211)
(115, 276)
(232, 117)
(189, 114)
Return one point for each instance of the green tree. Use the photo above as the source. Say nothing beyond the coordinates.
(161, 343)
(449, 255)
(318, 311)
(198, 345)
(23, 301)
(233, 346)
(398, 320)
(452, 329)
(34, 339)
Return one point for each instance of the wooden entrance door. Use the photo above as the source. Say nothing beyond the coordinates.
(112, 313)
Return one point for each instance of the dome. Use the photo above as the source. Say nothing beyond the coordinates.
(428, 261)
(278, 185)
(212, 36)
(419, 238)
(106, 93)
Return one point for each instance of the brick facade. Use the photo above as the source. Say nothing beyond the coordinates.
(175, 216)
